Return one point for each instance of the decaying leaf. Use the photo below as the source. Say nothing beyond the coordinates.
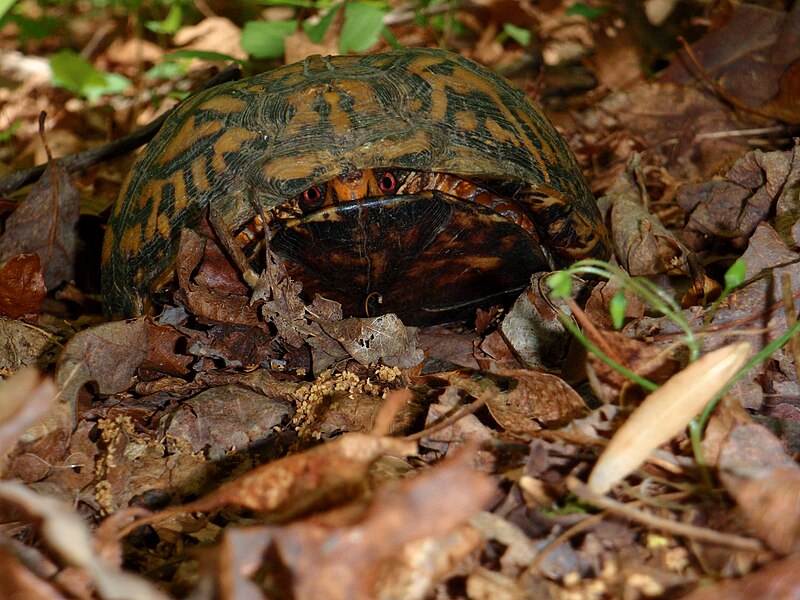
(535, 401)
(224, 418)
(725, 213)
(757, 306)
(777, 581)
(644, 246)
(406, 541)
(25, 345)
(374, 339)
(765, 482)
(224, 304)
(24, 398)
(45, 224)
(749, 44)
(22, 287)
(644, 359)
(107, 354)
(532, 328)
(664, 413)
(69, 538)
(301, 482)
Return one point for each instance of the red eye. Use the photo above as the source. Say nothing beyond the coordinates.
(388, 183)
(312, 198)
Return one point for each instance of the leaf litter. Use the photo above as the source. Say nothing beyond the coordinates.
(253, 444)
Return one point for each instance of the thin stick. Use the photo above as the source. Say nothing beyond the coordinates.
(564, 537)
(694, 532)
(448, 421)
(591, 330)
(791, 320)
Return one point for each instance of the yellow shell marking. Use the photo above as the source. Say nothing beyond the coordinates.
(187, 136)
(466, 120)
(131, 240)
(226, 105)
(108, 244)
(199, 176)
(498, 133)
(181, 197)
(340, 120)
(230, 141)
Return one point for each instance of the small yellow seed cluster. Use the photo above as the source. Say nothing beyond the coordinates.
(312, 398)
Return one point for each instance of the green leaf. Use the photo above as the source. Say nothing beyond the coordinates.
(169, 69)
(264, 39)
(734, 276)
(584, 10)
(170, 24)
(390, 39)
(5, 6)
(6, 135)
(518, 34)
(34, 29)
(316, 32)
(76, 74)
(292, 3)
(616, 308)
(202, 55)
(561, 284)
(362, 27)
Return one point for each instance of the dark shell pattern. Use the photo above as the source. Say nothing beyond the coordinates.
(267, 138)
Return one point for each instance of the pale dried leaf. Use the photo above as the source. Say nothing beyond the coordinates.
(374, 339)
(664, 413)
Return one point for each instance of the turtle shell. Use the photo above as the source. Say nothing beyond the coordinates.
(262, 141)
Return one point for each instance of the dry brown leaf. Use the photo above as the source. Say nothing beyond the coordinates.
(45, 224)
(291, 486)
(25, 345)
(755, 308)
(536, 401)
(22, 287)
(64, 531)
(664, 413)
(228, 417)
(532, 328)
(779, 580)
(642, 358)
(218, 33)
(223, 305)
(765, 482)
(752, 54)
(399, 548)
(24, 398)
(374, 339)
(644, 246)
(727, 212)
(107, 354)
(20, 582)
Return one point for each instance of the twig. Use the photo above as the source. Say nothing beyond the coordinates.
(791, 320)
(564, 537)
(54, 181)
(591, 331)
(702, 534)
(448, 421)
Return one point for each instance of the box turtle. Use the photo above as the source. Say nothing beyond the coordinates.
(414, 182)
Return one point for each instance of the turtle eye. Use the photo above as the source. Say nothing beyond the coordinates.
(388, 183)
(312, 198)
